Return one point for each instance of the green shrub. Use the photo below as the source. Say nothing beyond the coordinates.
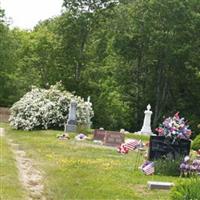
(187, 189)
(82, 128)
(196, 143)
(168, 167)
(47, 108)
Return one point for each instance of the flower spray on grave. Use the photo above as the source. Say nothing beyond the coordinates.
(174, 128)
(174, 134)
(170, 145)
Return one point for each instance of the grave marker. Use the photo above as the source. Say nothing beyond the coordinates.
(71, 121)
(99, 134)
(159, 185)
(146, 128)
(159, 146)
(113, 138)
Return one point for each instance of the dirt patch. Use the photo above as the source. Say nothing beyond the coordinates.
(30, 177)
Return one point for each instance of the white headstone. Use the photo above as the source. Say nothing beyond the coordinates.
(146, 128)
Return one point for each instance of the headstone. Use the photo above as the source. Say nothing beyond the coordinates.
(113, 138)
(159, 185)
(146, 128)
(71, 121)
(99, 134)
(88, 117)
(160, 147)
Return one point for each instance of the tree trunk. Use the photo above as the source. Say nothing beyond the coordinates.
(161, 92)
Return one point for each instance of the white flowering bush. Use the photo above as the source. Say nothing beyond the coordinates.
(43, 109)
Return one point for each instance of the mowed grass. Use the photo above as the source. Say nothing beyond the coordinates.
(144, 138)
(10, 187)
(76, 170)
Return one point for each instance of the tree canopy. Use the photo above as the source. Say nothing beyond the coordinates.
(124, 54)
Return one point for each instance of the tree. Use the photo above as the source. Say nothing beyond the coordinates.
(85, 6)
(156, 47)
(6, 63)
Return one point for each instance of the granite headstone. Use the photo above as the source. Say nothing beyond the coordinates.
(71, 121)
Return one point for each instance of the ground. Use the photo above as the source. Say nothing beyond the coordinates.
(74, 170)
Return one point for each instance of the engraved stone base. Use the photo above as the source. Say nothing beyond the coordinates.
(143, 132)
(71, 128)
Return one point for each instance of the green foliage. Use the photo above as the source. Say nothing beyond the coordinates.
(124, 55)
(87, 6)
(157, 39)
(7, 84)
(168, 167)
(196, 143)
(186, 190)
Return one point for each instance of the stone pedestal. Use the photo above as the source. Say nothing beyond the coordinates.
(71, 128)
(71, 122)
(146, 128)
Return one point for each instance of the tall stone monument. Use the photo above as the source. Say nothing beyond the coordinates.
(71, 121)
(146, 128)
(88, 117)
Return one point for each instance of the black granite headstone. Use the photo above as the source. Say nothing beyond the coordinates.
(160, 147)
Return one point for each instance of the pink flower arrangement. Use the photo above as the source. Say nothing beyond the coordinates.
(175, 128)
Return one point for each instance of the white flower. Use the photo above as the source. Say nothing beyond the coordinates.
(44, 109)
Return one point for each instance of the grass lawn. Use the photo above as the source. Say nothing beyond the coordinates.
(10, 188)
(75, 170)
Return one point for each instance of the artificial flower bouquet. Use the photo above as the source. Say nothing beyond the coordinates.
(174, 128)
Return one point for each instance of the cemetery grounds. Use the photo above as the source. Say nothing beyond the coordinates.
(75, 169)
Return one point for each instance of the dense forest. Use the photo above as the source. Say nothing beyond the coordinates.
(124, 54)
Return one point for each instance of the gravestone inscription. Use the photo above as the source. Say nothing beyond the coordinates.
(160, 147)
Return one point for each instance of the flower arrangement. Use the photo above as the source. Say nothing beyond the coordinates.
(81, 137)
(189, 167)
(174, 128)
(43, 109)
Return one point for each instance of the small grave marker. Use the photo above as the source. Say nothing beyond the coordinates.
(159, 185)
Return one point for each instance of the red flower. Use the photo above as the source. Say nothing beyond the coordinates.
(177, 115)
